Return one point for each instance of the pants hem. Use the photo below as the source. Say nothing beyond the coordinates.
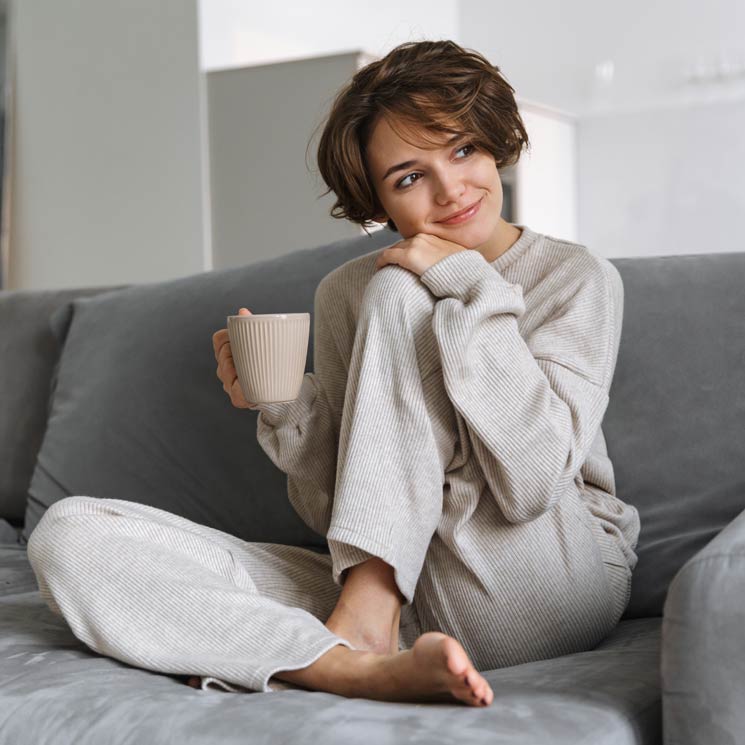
(267, 673)
(406, 584)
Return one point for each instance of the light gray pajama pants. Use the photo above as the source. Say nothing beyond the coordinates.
(163, 593)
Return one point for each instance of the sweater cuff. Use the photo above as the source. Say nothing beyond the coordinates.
(456, 274)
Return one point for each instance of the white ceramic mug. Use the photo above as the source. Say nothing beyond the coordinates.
(269, 354)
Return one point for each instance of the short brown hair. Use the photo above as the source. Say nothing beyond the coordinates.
(435, 85)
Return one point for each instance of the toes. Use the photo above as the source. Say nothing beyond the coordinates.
(481, 694)
(487, 696)
(474, 682)
(474, 688)
(481, 691)
(472, 679)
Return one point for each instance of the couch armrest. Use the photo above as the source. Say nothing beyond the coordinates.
(703, 637)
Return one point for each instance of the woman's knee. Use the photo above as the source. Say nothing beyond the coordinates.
(62, 508)
(75, 505)
(51, 537)
(394, 286)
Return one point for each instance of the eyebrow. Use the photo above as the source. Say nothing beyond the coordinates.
(408, 163)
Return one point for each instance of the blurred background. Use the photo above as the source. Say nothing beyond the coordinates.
(145, 140)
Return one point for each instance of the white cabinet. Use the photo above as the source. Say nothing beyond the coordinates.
(266, 193)
(541, 189)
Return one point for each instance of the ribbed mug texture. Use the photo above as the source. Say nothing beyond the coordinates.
(269, 353)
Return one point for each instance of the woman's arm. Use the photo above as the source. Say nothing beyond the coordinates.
(301, 436)
(532, 407)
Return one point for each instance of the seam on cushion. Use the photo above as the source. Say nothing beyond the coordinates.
(686, 568)
(702, 559)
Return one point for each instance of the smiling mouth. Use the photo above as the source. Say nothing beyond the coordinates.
(463, 214)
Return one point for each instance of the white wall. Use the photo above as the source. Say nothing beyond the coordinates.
(550, 51)
(108, 172)
(658, 90)
(670, 181)
(235, 33)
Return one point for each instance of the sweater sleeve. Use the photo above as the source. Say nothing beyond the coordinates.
(532, 406)
(300, 437)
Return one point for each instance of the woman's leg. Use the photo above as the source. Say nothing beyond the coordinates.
(160, 592)
(397, 436)
(516, 593)
(163, 593)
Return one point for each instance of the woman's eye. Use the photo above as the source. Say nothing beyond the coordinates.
(401, 185)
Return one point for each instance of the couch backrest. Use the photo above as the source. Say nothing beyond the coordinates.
(161, 431)
(675, 424)
(28, 353)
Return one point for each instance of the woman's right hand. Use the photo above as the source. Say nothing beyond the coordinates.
(226, 369)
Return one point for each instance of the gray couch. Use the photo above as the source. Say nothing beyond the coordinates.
(112, 392)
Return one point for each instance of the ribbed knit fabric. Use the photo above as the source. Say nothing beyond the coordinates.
(451, 427)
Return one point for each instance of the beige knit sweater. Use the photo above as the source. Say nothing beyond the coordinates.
(528, 346)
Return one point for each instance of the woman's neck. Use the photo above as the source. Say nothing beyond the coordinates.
(506, 236)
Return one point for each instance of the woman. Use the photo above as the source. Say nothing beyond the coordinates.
(448, 442)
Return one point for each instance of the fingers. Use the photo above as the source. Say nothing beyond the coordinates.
(225, 367)
(230, 384)
(226, 371)
(232, 387)
(227, 374)
(220, 338)
(236, 396)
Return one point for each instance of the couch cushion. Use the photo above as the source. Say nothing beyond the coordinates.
(56, 689)
(28, 352)
(675, 424)
(139, 414)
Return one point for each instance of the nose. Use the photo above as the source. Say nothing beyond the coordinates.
(449, 188)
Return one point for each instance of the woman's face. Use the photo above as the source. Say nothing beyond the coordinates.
(418, 196)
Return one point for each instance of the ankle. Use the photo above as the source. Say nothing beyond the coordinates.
(372, 581)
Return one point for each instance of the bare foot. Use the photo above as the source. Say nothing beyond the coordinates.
(436, 668)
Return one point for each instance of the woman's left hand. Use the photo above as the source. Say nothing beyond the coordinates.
(418, 253)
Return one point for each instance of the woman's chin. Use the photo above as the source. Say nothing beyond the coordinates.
(469, 236)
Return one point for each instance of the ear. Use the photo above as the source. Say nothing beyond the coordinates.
(382, 218)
